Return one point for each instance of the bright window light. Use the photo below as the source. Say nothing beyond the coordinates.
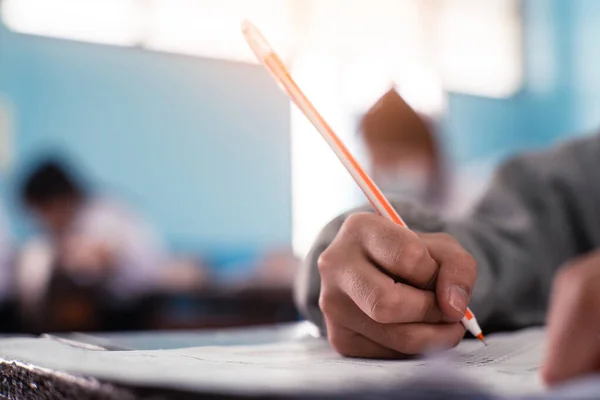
(116, 22)
(321, 187)
(211, 28)
(474, 46)
(422, 88)
(351, 28)
(6, 135)
(478, 46)
(365, 81)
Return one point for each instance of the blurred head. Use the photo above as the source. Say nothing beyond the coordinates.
(53, 195)
(402, 149)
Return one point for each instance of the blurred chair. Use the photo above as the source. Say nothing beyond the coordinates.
(257, 291)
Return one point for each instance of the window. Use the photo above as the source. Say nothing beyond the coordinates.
(477, 46)
(212, 28)
(197, 27)
(115, 22)
(474, 46)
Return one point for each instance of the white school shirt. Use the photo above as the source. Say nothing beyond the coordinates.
(138, 259)
(139, 252)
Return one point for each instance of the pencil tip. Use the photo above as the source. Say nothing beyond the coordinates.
(480, 337)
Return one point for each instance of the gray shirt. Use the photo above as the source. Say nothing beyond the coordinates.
(540, 211)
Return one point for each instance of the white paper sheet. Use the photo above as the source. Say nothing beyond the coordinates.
(509, 365)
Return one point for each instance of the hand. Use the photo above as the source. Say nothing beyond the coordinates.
(387, 292)
(574, 322)
(82, 255)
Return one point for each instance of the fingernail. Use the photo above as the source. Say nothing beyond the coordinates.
(458, 298)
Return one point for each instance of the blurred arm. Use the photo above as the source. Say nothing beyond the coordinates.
(134, 252)
(138, 258)
(540, 211)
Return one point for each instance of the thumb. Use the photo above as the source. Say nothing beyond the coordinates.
(456, 275)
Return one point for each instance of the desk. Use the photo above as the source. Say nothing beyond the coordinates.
(23, 382)
(28, 381)
(31, 382)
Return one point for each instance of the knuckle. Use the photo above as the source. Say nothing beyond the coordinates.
(381, 306)
(328, 261)
(355, 222)
(353, 229)
(444, 238)
(326, 303)
(411, 254)
(464, 263)
(465, 260)
(375, 303)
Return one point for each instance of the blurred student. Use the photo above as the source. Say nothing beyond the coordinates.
(405, 160)
(533, 243)
(89, 242)
(276, 268)
(6, 283)
(7, 278)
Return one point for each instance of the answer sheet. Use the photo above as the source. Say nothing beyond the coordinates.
(508, 365)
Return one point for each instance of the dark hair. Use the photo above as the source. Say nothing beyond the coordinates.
(50, 180)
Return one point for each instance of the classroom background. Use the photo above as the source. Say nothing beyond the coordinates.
(160, 105)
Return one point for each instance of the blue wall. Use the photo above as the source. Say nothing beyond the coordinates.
(561, 94)
(199, 146)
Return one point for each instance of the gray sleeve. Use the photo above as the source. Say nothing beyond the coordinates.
(539, 212)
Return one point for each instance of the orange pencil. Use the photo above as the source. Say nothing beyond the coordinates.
(271, 61)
